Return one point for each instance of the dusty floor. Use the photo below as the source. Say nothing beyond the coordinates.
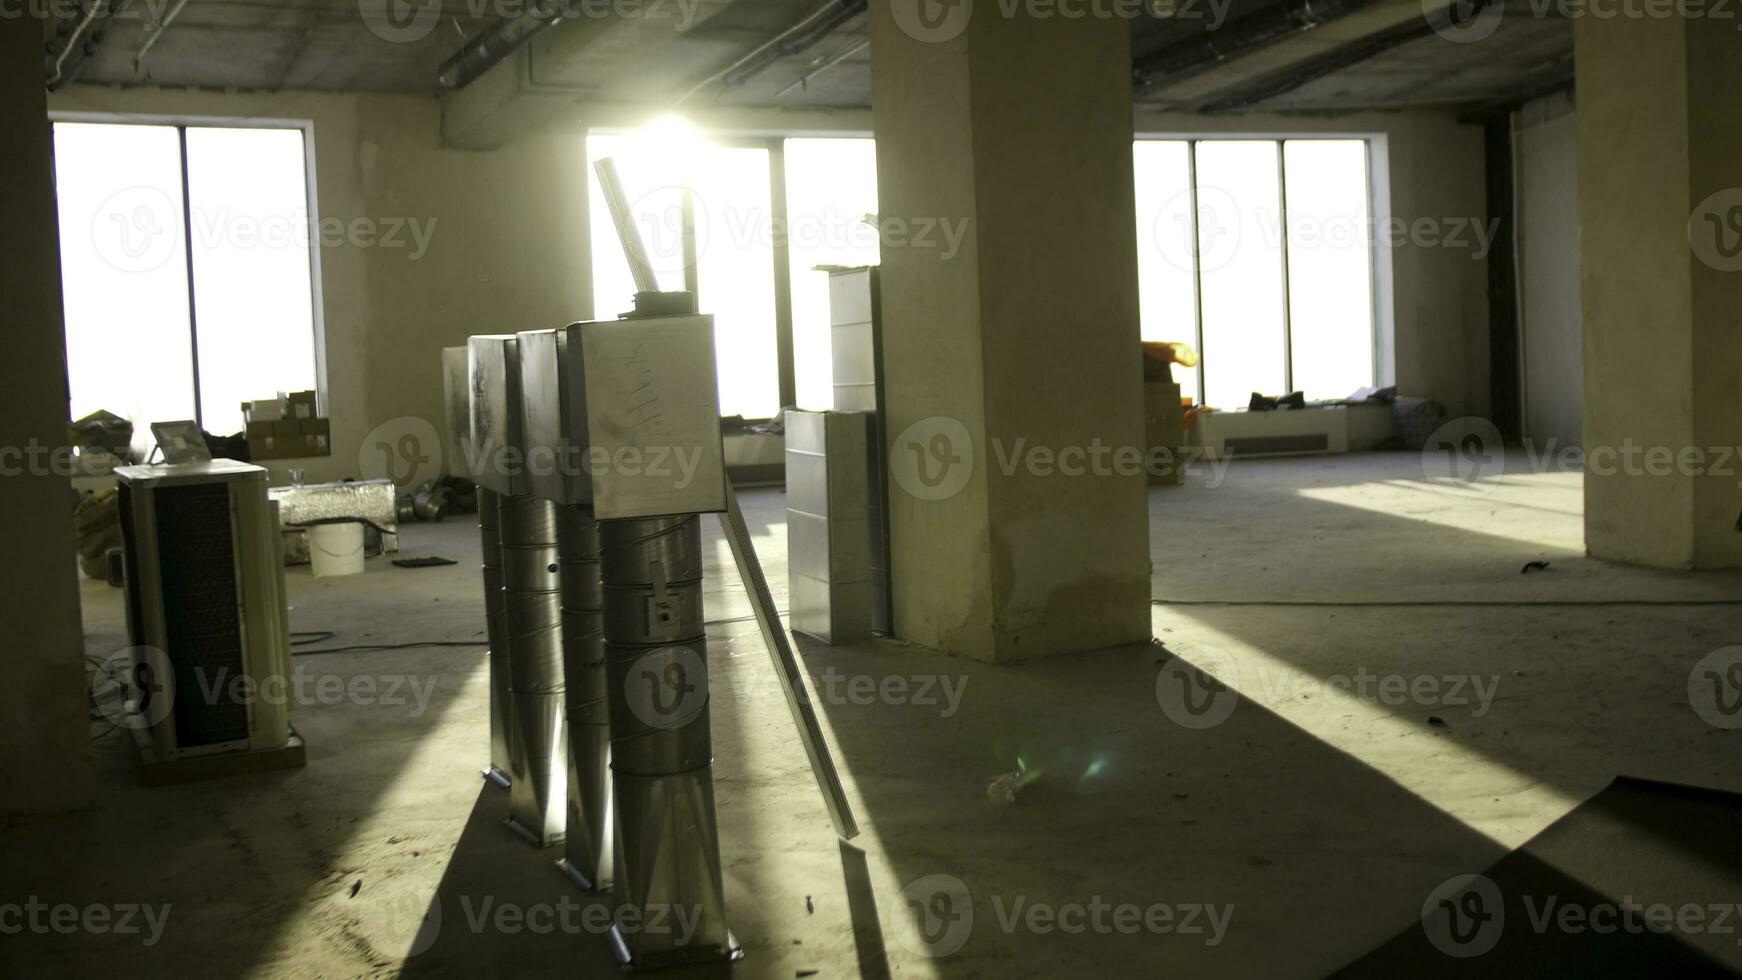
(1302, 829)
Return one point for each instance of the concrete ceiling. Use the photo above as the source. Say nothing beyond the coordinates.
(353, 45)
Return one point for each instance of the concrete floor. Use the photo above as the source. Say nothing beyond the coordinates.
(1322, 819)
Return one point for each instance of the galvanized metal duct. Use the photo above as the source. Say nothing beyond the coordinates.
(497, 42)
(587, 849)
(537, 800)
(1240, 36)
(495, 615)
(668, 848)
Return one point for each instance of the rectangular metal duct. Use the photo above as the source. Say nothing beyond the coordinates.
(829, 527)
(495, 421)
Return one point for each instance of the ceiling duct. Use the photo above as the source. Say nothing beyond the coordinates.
(497, 42)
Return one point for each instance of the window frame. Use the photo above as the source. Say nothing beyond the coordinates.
(1384, 362)
(182, 123)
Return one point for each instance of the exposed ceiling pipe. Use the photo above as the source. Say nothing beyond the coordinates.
(797, 39)
(824, 64)
(156, 32)
(1239, 37)
(497, 42)
(1331, 62)
(57, 75)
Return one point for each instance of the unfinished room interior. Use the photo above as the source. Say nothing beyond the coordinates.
(882, 488)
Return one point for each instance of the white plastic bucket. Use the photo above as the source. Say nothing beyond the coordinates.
(336, 549)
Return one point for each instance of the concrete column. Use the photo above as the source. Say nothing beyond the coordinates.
(1010, 329)
(1660, 210)
(46, 765)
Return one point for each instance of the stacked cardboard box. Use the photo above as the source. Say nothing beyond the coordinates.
(286, 427)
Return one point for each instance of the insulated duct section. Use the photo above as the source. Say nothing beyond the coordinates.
(497, 42)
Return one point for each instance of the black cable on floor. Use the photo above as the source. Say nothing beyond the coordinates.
(392, 646)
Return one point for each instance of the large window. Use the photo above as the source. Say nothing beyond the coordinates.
(186, 270)
(734, 248)
(1259, 252)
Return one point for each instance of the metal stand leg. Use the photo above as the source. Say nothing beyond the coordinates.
(491, 541)
(587, 848)
(668, 847)
(537, 800)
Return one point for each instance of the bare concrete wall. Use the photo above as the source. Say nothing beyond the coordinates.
(1548, 272)
(508, 249)
(45, 763)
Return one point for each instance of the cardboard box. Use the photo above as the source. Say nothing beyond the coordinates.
(289, 438)
(263, 410)
(299, 404)
(1164, 423)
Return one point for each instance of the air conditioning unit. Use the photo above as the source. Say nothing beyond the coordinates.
(209, 690)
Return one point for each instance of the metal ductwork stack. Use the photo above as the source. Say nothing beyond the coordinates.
(459, 459)
(588, 848)
(656, 652)
(531, 617)
(553, 396)
(538, 798)
(501, 755)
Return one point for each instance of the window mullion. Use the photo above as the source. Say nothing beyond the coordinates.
(187, 229)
